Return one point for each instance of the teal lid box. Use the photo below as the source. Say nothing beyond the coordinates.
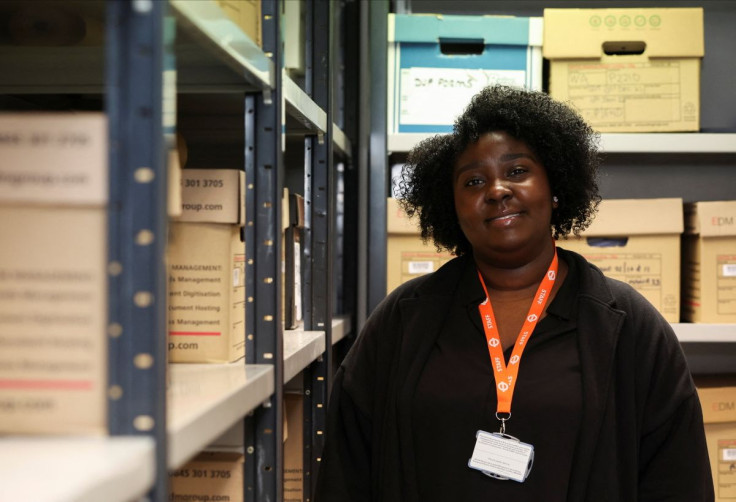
(438, 62)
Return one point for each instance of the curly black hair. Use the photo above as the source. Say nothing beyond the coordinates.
(566, 145)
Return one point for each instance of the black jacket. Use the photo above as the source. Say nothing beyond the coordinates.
(641, 438)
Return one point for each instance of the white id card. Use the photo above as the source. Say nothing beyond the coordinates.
(501, 456)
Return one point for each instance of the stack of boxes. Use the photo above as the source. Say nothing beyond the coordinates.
(53, 269)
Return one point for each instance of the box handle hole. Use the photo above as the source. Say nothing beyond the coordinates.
(624, 48)
(607, 242)
(461, 46)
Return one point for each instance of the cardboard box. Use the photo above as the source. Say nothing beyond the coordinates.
(247, 15)
(292, 240)
(209, 476)
(709, 262)
(627, 70)
(294, 448)
(206, 262)
(54, 158)
(406, 255)
(718, 400)
(637, 241)
(445, 60)
(53, 273)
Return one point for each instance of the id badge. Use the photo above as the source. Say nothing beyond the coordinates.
(501, 456)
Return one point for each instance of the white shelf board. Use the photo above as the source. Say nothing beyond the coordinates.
(341, 142)
(224, 40)
(705, 333)
(301, 348)
(340, 328)
(76, 469)
(302, 108)
(620, 142)
(204, 400)
(668, 143)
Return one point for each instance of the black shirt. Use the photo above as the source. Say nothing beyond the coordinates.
(456, 396)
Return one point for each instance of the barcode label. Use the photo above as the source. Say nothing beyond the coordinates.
(421, 267)
(729, 270)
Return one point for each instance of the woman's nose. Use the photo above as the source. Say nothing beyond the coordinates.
(497, 190)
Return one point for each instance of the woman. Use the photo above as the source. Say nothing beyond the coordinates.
(605, 408)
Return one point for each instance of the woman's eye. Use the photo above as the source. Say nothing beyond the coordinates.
(473, 182)
(517, 171)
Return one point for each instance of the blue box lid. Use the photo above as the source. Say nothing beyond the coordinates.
(505, 30)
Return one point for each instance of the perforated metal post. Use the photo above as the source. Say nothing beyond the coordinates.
(319, 317)
(137, 226)
(264, 331)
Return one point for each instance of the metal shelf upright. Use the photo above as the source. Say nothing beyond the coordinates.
(137, 226)
(264, 129)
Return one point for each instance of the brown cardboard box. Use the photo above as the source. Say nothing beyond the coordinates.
(53, 274)
(209, 476)
(654, 91)
(206, 263)
(637, 241)
(294, 448)
(709, 262)
(247, 15)
(718, 400)
(406, 255)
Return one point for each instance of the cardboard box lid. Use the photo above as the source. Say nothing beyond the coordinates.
(54, 158)
(500, 30)
(580, 33)
(624, 217)
(397, 221)
(711, 219)
(717, 398)
(212, 196)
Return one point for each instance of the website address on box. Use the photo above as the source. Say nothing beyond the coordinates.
(201, 207)
(183, 346)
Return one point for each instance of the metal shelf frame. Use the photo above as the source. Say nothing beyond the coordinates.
(137, 225)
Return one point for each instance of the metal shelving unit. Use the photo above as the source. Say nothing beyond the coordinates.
(155, 428)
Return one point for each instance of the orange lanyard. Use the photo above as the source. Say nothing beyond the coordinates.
(506, 376)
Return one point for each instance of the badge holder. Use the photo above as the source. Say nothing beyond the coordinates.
(500, 456)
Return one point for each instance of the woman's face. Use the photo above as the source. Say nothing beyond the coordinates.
(503, 198)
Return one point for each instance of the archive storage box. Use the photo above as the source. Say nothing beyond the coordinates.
(247, 15)
(209, 476)
(53, 269)
(637, 241)
(293, 447)
(627, 70)
(709, 262)
(406, 255)
(718, 400)
(206, 263)
(436, 63)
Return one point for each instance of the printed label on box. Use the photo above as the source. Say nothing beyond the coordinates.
(726, 284)
(53, 158)
(726, 475)
(449, 91)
